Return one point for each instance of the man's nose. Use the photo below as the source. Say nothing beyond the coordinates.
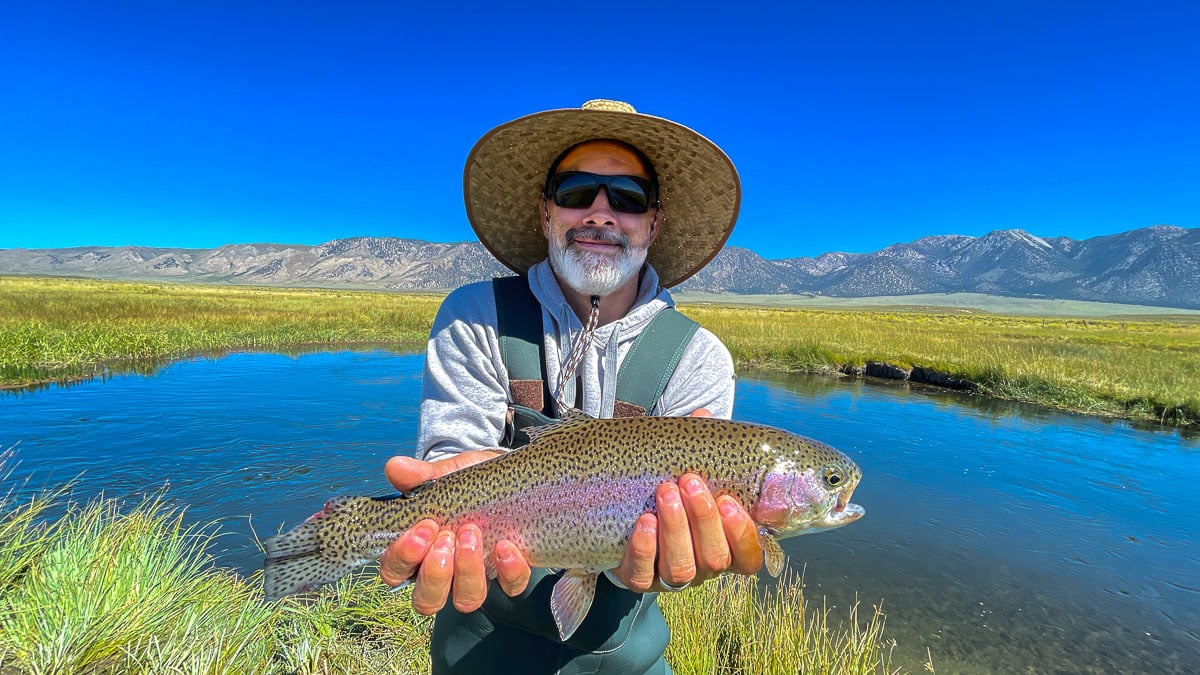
(600, 210)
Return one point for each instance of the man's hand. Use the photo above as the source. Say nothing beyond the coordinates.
(447, 564)
(693, 538)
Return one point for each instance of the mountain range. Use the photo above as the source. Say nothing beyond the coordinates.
(1157, 265)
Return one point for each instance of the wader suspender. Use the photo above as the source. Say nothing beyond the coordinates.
(644, 372)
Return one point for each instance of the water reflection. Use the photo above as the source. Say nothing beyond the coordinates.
(1001, 537)
(153, 367)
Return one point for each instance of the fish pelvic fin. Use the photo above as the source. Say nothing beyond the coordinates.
(571, 599)
(772, 553)
(298, 561)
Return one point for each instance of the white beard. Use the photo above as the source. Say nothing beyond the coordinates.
(594, 273)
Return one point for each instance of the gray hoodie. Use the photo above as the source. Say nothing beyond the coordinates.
(465, 393)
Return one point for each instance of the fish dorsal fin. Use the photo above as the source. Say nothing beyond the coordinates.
(571, 417)
(571, 599)
(574, 415)
(772, 553)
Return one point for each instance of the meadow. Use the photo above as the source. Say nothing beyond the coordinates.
(55, 329)
(1137, 366)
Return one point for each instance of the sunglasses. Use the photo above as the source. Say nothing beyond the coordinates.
(577, 190)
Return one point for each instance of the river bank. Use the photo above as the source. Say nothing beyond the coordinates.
(1135, 367)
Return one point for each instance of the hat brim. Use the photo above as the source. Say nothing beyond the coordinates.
(698, 185)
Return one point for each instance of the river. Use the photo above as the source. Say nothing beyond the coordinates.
(998, 537)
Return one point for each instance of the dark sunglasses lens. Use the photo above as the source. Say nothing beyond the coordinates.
(626, 194)
(575, 191)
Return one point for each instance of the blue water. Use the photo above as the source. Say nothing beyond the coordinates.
(999, 537)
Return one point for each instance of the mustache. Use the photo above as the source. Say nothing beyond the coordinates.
(597, 234)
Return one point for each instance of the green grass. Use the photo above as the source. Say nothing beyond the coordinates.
(106, 589)
(974, 303)
(1141, 369)
(730, 625)
(71, 328)
(1144, 367)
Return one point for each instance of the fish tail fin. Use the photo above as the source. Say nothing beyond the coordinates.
(297, 560)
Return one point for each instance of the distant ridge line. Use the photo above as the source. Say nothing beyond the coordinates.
(1158, 266)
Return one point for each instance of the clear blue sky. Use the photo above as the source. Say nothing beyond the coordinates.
(854, 125)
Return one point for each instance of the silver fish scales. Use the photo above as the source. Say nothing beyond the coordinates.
(569, 500)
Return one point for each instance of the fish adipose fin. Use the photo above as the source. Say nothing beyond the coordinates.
(296, 561)
(571, 599)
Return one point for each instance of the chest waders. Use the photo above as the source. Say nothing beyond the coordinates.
(624, 632)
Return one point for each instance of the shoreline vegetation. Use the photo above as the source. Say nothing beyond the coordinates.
(104, 588)
(1144, 368)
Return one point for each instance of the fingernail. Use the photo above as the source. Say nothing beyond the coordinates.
(728, 507)
(423, 534)
(693, 486)
(467, 539)
(671, 496)
(444, 542)
(505, 553)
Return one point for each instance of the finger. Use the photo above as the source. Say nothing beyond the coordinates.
(512, 569)
(405, 473)
(470, 581)
(403, 556)
(708, 532)
(741, 533)
(676, 559)
(637, 570)
(435, 576)
(701, 412)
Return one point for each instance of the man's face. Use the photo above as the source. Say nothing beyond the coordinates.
(596, 249)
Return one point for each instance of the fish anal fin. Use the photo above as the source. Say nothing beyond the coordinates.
(571, 599)
(772, 553)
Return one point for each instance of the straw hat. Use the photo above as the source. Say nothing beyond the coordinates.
(506, 169)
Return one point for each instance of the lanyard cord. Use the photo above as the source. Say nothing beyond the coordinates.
(577, 352)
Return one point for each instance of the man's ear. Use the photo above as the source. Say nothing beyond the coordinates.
(545, 218)
(656, 223)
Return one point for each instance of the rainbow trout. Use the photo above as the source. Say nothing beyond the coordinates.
(569, 500)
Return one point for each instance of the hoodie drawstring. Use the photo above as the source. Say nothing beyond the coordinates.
(578, 350)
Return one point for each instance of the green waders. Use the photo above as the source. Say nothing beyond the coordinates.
(624, 632)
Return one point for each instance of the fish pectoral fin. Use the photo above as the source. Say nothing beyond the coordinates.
(772, 553)
(571, 599)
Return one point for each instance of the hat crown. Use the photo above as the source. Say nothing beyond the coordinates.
(504, 183)
(608, 105)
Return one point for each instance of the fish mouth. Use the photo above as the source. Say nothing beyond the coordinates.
(843, 500)
(850, 513)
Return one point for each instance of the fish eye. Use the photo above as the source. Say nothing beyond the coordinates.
(832, 476)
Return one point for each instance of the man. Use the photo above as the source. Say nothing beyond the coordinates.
(601, 208)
